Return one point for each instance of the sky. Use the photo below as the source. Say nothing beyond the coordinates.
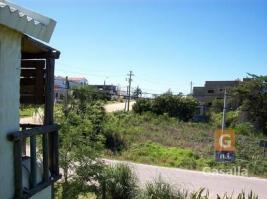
(166, 43)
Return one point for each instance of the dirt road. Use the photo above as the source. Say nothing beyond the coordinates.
(194, 180)
(117, 107)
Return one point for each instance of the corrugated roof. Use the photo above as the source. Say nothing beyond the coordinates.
(26, 21)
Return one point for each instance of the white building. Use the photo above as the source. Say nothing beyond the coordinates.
(60, 85)
(26, 77)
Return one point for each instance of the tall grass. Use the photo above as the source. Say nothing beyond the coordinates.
(144, 137)
(120, 182)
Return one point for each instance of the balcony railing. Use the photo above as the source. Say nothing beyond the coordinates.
(49, 153)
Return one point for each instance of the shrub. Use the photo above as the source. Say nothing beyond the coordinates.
(119, 182)
(142, 105)
(245, 128)
(162, 190)
(114, 141)
(217, 105)
(231, 118)
(177, 106)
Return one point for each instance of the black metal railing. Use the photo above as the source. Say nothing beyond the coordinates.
(49, 143)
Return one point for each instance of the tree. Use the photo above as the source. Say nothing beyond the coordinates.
(142, 105)
(217, 105)
(251, 96)
(81, 143)
(88, 94)
(137, 93)
(177, 106)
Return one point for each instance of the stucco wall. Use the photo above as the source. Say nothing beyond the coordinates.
(10, 57)
(10, 54)
(44, 194)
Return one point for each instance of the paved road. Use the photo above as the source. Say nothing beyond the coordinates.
(117, 107)
(193, 180)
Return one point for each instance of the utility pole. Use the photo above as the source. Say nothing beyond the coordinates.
(224, 109)
(67, 86)
(191, 88)
(125, 107)
(129, 88)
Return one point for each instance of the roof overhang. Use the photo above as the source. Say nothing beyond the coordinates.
(33, 49)
(26, 21)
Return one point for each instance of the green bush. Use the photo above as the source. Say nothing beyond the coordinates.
(142, 105)
(245, 128)
(119, 182)
(177, 106)
(217, 105)
(231, 118)
(114, 141)
(162, 190)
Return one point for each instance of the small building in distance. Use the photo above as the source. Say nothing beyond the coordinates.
(60, 85)
(111, 90)
(210, 91)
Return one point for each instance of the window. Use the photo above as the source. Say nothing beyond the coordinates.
(210, 91)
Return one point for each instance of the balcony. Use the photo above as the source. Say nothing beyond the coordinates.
(30, 180)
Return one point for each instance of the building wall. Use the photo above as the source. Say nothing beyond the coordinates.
(44, 194)
(10, 56)
(212, 90)
(10, 59)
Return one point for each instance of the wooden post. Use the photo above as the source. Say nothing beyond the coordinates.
(18, 168)
(48, 115)
(49, 119)
(33, 161)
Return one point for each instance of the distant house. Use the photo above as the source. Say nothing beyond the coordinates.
(60, 85)
(77, 81)
(109, 89)
(26, 77)
(212, 90)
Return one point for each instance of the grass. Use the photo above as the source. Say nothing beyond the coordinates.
(26, 111)
(165, 141)
(157, 154)
(120, 182)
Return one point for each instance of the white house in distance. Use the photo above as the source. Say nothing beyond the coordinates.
(26, 77)
(60, 85)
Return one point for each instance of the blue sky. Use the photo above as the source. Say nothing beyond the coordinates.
(166, 43)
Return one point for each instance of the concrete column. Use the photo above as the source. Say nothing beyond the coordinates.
(10, 56)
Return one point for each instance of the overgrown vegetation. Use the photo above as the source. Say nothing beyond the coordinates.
(178, 106)
(81, 144)
(119, 182)
(251, 98)
(160, 132)
(166, 141)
